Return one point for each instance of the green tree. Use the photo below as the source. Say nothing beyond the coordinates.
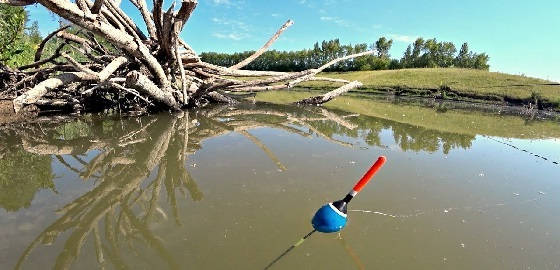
(463, 58)
(12, 26)
(446, 54)
(481, 61)
(382, 45)
(34, 34)
(17, 46)
(406, 60)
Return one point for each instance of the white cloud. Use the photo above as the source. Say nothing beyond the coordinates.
(335, 20)
(232, 36)
(402, 38)
(228, 3)
(233, 24)
(231, 29)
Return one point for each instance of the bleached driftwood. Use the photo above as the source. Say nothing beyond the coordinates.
(162, 71)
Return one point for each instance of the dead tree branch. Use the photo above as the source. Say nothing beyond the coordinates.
(265, 47)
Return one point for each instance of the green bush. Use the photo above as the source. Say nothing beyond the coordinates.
(17, 43)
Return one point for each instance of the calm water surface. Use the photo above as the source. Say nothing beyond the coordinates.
(233, 187)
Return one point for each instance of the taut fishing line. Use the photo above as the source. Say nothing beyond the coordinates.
(522, 150)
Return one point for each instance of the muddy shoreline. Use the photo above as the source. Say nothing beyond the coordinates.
(442, 105)
(439, 102)
(455, 99)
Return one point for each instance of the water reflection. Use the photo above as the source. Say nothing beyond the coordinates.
(136, 163)
(18, 187)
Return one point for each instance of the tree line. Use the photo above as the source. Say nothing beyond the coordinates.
(420, 54)
(18, 42)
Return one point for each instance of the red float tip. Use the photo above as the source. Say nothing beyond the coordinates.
(369, 174)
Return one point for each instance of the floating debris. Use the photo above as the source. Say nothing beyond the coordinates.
(516, 194)
(542, 193)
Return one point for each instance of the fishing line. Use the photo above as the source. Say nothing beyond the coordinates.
(446, 210)
(290, 249)
(522, 150)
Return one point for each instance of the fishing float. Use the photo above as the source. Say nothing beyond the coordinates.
(332, 217)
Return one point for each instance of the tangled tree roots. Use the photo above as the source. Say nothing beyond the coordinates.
(128, 69)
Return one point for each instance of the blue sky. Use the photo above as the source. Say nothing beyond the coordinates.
(521, 37)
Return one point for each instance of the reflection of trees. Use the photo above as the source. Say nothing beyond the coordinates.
(408, 137)
(420, 139)
(17, 186)
(138, 163)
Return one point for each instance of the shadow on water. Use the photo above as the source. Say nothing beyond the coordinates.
(132, 162)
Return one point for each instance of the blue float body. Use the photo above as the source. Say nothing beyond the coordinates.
(328, 220)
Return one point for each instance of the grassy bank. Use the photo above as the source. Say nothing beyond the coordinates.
(453, 83)
(467, 122)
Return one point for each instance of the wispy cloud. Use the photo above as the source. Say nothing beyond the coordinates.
(228, 3)
(221, 2)
(232, 36)
(231, 29)
(335, 20)
(402, 38)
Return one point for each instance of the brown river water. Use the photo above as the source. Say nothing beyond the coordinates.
(233, 187)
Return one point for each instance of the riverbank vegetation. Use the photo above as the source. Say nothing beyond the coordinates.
(455, 83)
(18, 38)
(422, 53)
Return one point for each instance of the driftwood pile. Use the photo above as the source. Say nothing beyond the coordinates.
(135, 71)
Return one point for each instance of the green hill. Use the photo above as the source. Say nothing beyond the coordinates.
(454, 83)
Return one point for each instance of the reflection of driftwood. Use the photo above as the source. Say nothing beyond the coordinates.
(84, 213)
(321, 134)
(63, 148)
(68, 166)
(95, 165)
(339, 120)
(122, 203)
(265, 149)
